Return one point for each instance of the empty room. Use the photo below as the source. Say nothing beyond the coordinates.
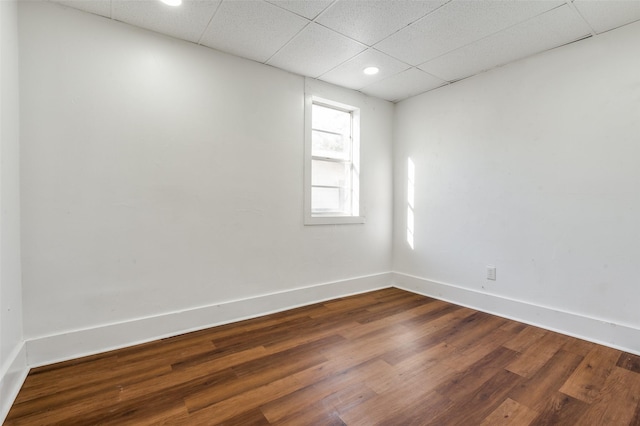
(320, 212)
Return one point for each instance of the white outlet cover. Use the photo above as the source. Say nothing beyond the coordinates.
(491, 272)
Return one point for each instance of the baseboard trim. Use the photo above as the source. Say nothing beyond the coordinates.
(13, 373)
(75, 344)
(618, 336)
(69, 345)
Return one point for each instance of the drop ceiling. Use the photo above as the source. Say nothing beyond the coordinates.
(418, 45)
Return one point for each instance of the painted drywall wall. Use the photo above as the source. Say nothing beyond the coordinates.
(160, 176)
(533, 168)
(12, 356)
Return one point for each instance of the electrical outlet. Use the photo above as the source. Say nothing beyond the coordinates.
(491, 272)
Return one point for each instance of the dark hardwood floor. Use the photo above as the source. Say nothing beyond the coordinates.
(383, 358)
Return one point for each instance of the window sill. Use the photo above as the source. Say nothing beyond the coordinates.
(334, 220)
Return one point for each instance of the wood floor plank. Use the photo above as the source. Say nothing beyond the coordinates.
(478, 405)
(463, 384)
(292, 403)
(387, 357)
(462, 358)
(587, 380)
(207, 398)
(629, 362)
(431, 357)
(429, 334)
(527, 337)
(220, 359)
(473, 329)
(536, 355)
(397, 318)
(616, 404)
(266, 335)
(419, 413)
(381, 409)
(167, 353)
(636, 418)
(384, 310)
(533, 393)
(370, 345)
(436, 311)
(351, 303)
(513, 326)
(577, 346)
(328, 409)
(510, 413)
(419, 406)
(560, 409)
(248, 418)
(86, 393)
(261, 395)
(114, 403)
(411, 381)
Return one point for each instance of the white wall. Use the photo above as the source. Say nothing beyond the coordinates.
(12, 356)
(161, 179)
(160, 176)
(534, 168)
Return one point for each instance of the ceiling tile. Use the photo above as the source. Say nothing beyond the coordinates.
(423, 43)
(187, 22)
(307, 8)
(403, 85)
(551, 29)
(98, 7)
(607, 15)
(457, 24)
(252, 29)
(315, 51)
(349, 74)
(370, 21)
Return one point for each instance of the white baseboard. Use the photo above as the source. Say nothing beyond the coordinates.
(13, 372)
(64, 346)
(618, 336)
(75, 344)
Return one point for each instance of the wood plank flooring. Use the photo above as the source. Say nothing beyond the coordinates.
(383, 358)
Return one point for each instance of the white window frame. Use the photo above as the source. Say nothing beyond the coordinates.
(311, 218)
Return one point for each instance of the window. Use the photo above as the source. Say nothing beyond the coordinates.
(332, 172)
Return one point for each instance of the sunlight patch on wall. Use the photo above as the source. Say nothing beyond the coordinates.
(411, 175)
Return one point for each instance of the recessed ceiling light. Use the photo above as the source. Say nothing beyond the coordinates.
(371, 70)
(172, 2)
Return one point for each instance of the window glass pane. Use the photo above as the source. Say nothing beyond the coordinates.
(330, 145)
(331, 120)
(334, 200)
(328, 173)
(325, 199)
